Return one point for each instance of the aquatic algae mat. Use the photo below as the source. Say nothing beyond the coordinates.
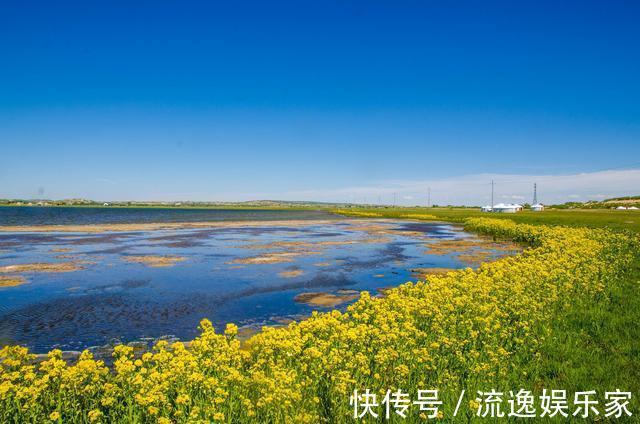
(327, 299)
(154, 260)
(42, 267)
(12, 281)
(472, 329)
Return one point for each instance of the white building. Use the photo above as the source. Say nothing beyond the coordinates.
(621, 208)
(538, 207)
(632, 208)
(502, 208)
(507, 208)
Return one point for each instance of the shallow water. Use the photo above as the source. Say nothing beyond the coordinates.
(113, 299)
(37, 215)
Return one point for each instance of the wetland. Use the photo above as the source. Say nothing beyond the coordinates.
(105, 281)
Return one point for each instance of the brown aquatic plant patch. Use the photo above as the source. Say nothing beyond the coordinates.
(291, 245)
(371, 227)
(154, 261)
(272, 257)
(374, 240)
(379, 233)
(445, 247)
(71, 257)
(43, 267)
(12, 280)
(324, 299)
(347, 291)
(291, 274)
(466, 246)
(296, 245)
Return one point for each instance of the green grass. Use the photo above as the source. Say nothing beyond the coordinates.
(593, 218)
(595, 346)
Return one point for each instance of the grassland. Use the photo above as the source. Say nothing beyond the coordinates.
(597, 344)
(590, 218)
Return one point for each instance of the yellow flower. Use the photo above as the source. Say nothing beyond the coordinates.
(231, 330)
(54, 416)
(182, 399)
(94, 415)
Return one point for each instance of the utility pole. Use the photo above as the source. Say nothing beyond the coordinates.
(535, 194)
(492, 184)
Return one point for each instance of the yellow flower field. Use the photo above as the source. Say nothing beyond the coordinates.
(472, 329)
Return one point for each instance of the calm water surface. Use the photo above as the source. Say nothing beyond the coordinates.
(35, 215)
(112, 299)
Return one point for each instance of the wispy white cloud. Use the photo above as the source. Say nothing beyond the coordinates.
(476, 189)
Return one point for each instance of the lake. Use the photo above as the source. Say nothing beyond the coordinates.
(73, 287)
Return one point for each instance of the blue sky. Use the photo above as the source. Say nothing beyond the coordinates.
(334, 101)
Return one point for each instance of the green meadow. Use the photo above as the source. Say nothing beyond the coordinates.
(597, 345)
(591, 218)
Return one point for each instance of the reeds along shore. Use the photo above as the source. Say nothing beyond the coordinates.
(473, 329)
